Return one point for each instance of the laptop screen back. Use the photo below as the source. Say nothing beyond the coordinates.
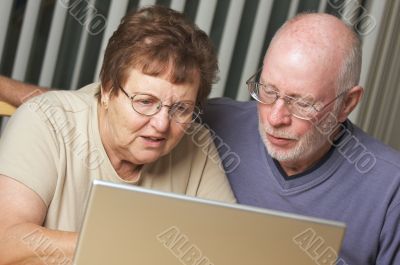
(130, 225)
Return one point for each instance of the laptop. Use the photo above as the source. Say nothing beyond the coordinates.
(125, 224)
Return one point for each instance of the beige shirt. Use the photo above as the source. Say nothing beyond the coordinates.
(52, 145)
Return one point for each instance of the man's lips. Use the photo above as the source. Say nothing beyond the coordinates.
(279, 140)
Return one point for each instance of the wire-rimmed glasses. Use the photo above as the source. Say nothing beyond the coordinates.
(299, 107)
(149, 105)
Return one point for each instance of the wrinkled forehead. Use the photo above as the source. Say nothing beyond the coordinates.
(159, 86)
(297, 71)
(170, 70)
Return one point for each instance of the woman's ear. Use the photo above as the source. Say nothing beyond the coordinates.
(105, 97)
(351, 100)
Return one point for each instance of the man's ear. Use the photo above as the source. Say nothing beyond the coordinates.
(351, 100)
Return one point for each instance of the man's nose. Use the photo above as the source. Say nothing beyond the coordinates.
(279, 114)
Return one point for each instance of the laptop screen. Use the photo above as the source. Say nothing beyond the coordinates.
(131, 225)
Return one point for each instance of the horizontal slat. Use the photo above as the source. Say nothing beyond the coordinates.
(322, 5)
(227, 45)
(116, 12)
(82, 45)
(5, 13)
(178, 5)
(205, 14)
(146, 2)
(255, 51)
(25, 40)
(53, 45)
(294, 5)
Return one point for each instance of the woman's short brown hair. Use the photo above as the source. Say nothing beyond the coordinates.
(160, 42)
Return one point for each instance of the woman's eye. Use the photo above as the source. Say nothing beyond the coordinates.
(145, 101)
(182, 108)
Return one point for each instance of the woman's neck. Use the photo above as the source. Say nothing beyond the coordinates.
(125, 169)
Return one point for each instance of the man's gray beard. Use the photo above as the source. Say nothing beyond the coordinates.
(307, 145)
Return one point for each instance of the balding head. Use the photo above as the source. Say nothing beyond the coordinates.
(324, 40)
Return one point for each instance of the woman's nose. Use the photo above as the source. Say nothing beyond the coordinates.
(161, 120)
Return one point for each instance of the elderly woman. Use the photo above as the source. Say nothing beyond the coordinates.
(136, 126)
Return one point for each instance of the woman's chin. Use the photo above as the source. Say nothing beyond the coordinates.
(147, 158)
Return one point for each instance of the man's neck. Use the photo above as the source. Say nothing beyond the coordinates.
(292, 168)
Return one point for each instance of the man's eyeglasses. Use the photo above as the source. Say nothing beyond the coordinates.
(299, 107)
(149, 105)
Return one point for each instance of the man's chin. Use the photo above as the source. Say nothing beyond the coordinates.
(282, 155)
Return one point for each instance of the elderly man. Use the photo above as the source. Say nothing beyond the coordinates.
(299, 152)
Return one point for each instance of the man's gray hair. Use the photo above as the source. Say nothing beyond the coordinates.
(350, 70)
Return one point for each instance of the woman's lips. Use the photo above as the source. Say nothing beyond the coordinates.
(152, 141)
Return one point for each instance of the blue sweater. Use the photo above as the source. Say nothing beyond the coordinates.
(357, 182)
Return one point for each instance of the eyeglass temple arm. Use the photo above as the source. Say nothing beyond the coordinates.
(330, 102)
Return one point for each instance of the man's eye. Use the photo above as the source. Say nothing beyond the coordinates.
(303, 104)
(269, 92)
